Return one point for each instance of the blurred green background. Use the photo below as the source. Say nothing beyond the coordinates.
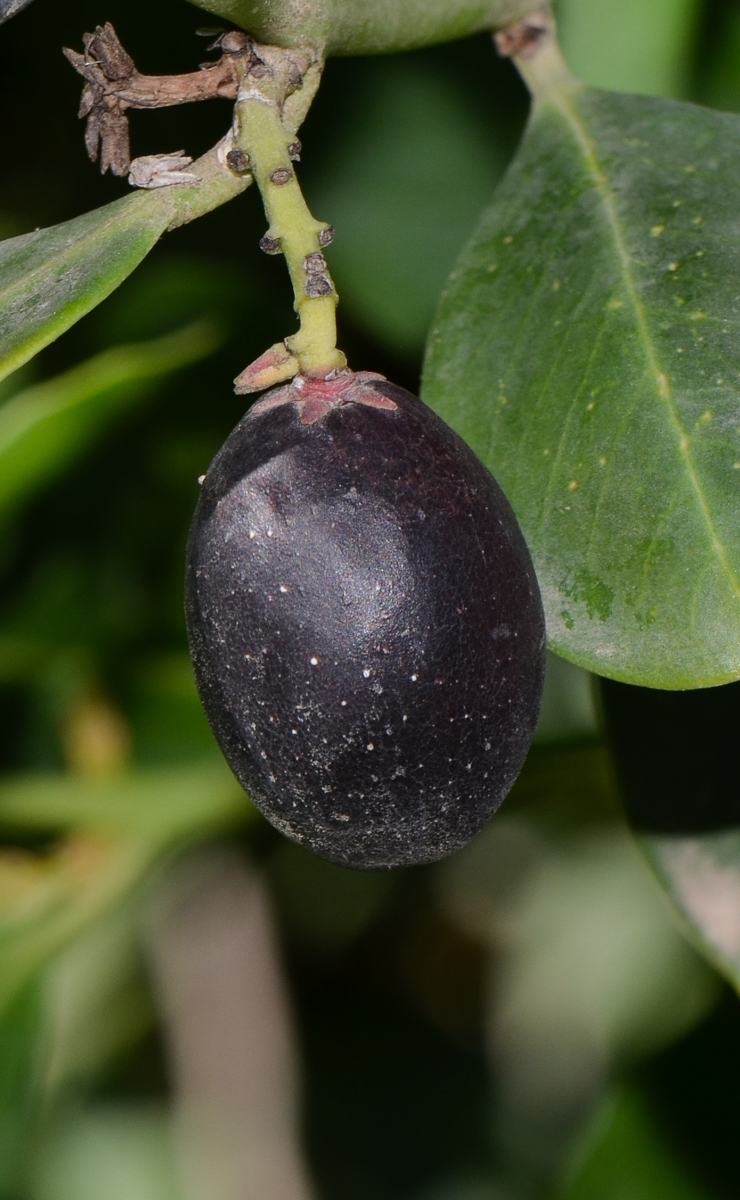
(524, 1020)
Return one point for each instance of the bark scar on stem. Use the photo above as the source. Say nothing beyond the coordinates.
(525, 38)
(113, 85)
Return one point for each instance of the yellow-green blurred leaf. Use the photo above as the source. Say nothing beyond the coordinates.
(159, 804)
(626, 1156)
(45, 426)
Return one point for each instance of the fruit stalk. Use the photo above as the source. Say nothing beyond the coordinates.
(261, 134)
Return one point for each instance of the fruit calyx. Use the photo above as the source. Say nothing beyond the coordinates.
(316, 397)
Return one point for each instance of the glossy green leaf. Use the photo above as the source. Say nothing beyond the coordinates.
(587, 349)
(366, 26)
(404, 190)
(44, 427)
(51, 278)
(625, 1155)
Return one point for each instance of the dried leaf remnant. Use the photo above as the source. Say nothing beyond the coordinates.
(114, 85)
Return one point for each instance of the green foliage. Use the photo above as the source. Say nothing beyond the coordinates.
(44, 427)
(51, 278)
(115, 1151)
(586, 349)
(21, 1048)
(701, 874)
(159, 806)
(366, 26)
(579, 944)
(626, 1156)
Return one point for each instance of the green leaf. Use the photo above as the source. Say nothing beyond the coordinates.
(44, 427)
(404, 189)
(21, 1033)
(701, 874)
(366, 26)
(51, 278)
(160, 805)
(587, 349)
(118, 829)
(626, 1156)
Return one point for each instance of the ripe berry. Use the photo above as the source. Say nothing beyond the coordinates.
(365, 622)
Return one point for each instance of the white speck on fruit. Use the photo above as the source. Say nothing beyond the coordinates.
(370, 746)
(314, 662)
(414, 678)
(366, 673)
(283, 588)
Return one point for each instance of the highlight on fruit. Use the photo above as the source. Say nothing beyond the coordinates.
(365, 622)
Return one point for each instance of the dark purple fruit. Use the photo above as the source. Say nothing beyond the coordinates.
(365, 622)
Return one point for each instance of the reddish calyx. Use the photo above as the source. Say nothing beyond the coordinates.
(316, 397)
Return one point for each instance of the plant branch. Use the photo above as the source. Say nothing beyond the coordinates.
(264, 134)
(273, 88)
(532, 44)
(113, 85)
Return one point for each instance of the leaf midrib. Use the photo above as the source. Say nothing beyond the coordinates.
(560, 99)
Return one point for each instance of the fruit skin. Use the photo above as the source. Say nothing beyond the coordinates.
(365, 623)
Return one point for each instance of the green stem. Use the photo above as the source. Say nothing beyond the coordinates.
(541, 64)
(260, 132)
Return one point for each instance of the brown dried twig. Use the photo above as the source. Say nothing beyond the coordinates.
(113, 85)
